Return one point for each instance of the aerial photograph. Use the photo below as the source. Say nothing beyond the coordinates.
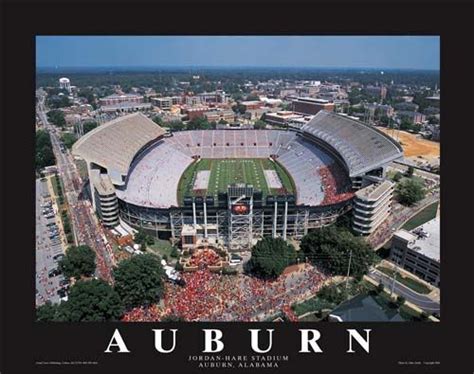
(237, 178)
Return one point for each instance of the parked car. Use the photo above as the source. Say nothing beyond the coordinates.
(58, 256)
(54, 273)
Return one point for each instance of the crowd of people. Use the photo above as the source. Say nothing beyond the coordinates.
(335, 183)
(210, 296)
(203, 258)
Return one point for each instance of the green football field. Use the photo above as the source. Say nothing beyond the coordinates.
(228, 171)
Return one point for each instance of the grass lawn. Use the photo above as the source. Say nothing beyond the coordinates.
(53, 183)
(421, 217)
(161, 247)
(311, 305)
(409, 282)
(228, 171)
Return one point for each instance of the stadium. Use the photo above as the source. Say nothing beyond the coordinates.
(231, 186)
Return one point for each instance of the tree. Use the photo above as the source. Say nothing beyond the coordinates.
(331, 247)
(91, 300)
(47, 312)
(175, 125)
(139, 280)
(44, 155)
(333, 293)
(68, 139)
(88, 94)
(199, 124)
(79, 261)
(380, 288)
(397, 177)
(222, 121)
(56, 117)
(239, 108)
(89, 126)
(400, 301)
(142, 238)
(410, 171)
(259, 124)
(406, 124)
(410, 191)
(158, 120)
(270, 257)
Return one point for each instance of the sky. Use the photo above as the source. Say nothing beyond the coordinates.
(389, 52)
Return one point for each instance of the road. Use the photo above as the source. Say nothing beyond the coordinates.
(422, 301)
(87, 229)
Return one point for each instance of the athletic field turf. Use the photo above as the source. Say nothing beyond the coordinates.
(228, 171)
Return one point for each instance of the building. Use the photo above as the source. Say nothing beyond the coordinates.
(163, 103)
(413, 117)
(65, 84)
(363, 308)
(418, 251)
(120, 99)
(307, 105)
(254, 104)
(218, 115)
(104, 198)
(195, 111)
(372, 205)
(377, 91)
(216, 97)
(281, 118)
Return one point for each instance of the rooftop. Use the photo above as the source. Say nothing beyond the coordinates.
(424, 239)
(374, 191)
(102, 183)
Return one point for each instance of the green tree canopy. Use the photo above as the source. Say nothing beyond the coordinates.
(139, 280)
(330, 248)
(79, 261)
(239, 108)
(410, 191)
(199, 124)
(68, 139)
(47, 312)
(44, 155)
(270, 257)
(56, 117)
(89, 126)
(259, 124)
(91, 300)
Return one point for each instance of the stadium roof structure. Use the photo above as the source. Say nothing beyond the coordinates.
(114, 144)
(362, 147)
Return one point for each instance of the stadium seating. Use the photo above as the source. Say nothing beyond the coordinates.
(153, 179)
(362, 147)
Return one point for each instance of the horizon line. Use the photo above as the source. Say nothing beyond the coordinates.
(56, 67)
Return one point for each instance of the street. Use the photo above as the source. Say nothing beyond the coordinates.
(422, 301)
(87, 229)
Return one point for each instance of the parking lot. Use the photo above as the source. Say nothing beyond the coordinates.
(49, 248)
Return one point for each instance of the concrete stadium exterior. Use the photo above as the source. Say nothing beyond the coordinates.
(135, 168)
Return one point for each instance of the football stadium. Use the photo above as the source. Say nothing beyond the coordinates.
(234, 186)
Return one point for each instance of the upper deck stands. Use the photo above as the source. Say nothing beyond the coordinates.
(362, 147)
(114, 144)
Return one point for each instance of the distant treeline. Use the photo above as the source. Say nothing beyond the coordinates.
(231, 79)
